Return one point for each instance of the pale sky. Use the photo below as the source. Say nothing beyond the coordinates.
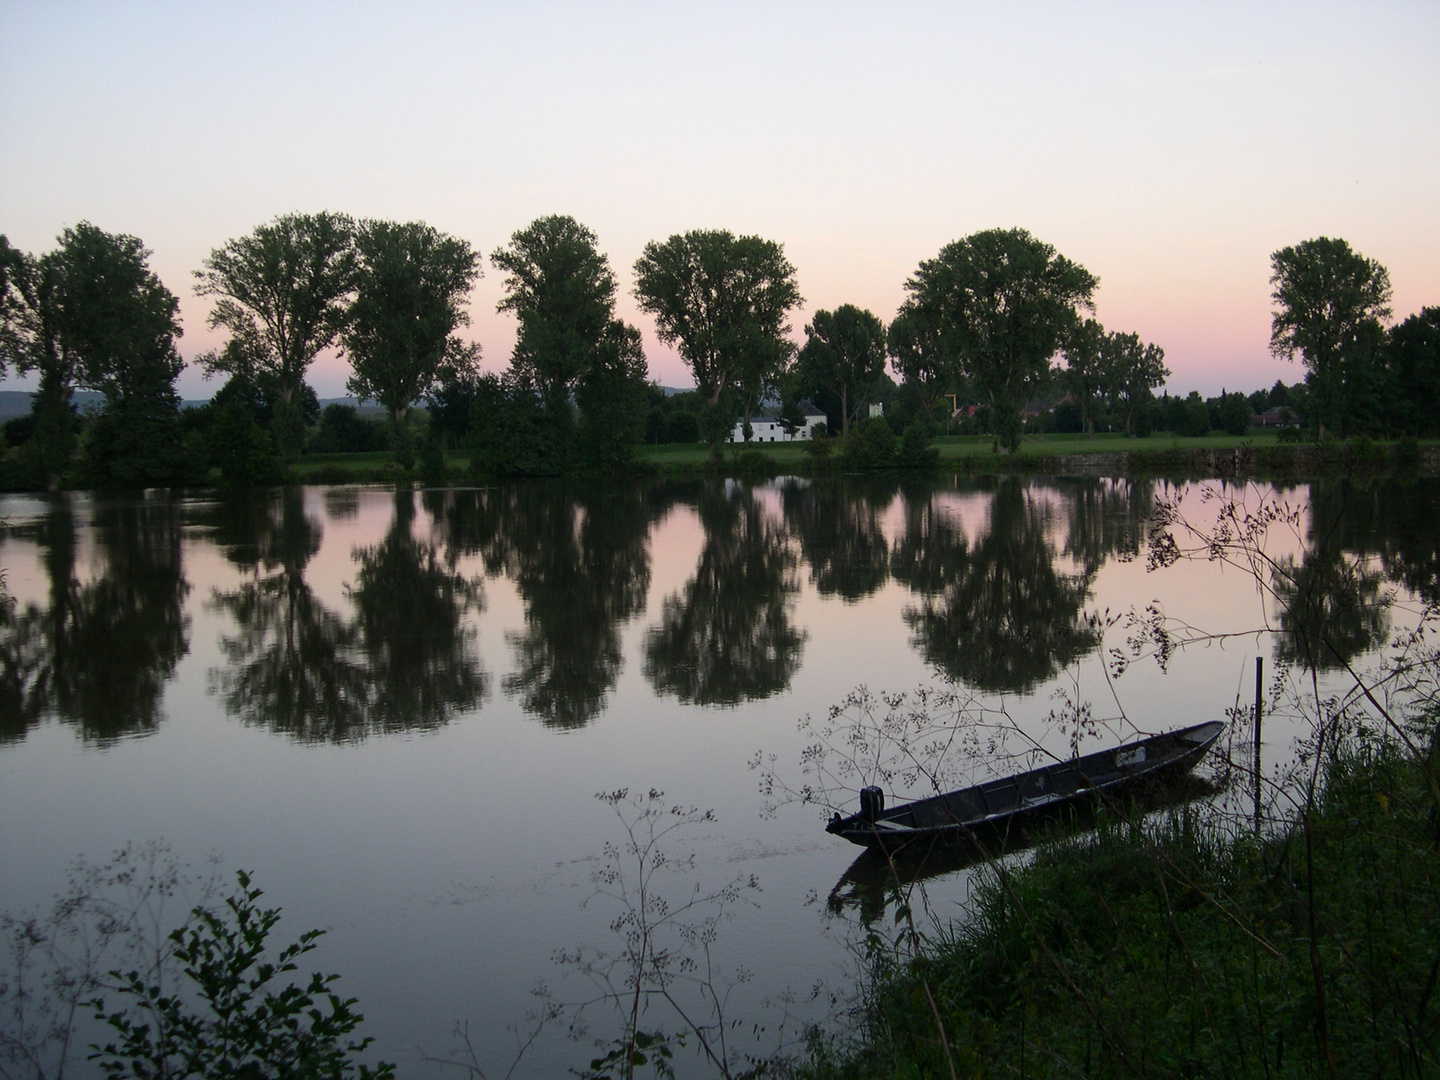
(1169, 148)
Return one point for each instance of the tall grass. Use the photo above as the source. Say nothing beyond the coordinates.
(1185, 948)
(1295, 937)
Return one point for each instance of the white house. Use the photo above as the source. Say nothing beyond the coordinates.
(766, 427)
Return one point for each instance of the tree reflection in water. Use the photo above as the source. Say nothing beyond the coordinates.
(838, 526)
(100, 654)
(292, 665)
(1334, 605)
(1409, 529)
(931, 553)
(413, 633)
(580, 559)
(727, 636)
(1010, 619)
(1107, 518)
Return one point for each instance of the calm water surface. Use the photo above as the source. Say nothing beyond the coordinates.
(396, 707)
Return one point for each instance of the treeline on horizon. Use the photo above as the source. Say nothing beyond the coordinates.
(996, 335)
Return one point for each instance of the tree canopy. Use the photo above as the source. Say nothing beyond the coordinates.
(561, 289)
(411, 284)
(723, 302)
(1085, 368)
(91, 314)
(283, 290)
(1000, 304)
(1330, 302)
(1132, 370)
(1413, 366)
(844, 353)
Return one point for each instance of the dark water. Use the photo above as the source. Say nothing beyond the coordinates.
(396, 707)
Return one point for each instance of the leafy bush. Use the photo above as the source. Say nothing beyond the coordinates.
(915, 449)
(239, 1023)
(872, 446)
(753, 464)
(343, 430)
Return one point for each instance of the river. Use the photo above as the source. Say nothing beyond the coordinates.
(397, 707)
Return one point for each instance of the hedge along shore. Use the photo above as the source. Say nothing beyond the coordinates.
(1262, 460)
(1206, 462)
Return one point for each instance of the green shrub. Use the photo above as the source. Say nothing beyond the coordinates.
(871, 446)
(754, 464)
(235, 1022)
(916, 451)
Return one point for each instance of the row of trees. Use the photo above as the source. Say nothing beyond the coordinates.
(981, 322)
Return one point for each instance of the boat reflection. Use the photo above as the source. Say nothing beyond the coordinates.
(875, 880)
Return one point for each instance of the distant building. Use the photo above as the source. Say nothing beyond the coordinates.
(765, 426)
(1278, 417)
(876, 409)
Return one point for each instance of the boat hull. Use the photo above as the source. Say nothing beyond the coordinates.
(972, 813)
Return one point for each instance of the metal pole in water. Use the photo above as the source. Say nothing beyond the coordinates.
(1259, 705)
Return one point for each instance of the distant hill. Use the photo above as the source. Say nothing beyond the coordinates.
(15, 403)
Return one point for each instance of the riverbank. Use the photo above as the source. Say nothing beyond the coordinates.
(1185, 948)
(1261, 455)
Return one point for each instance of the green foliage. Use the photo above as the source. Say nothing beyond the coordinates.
(242, 1019)
(342, 430)
(1412, 361)
(432, 460)
(1176, 950)
(1193, 418)
(1407, 453)
(512, 434)
(611, 396)
(872, 446)
(1330, 304)
(240, 448)
(92, 314)
(753, 465)
(411, 284)
(449, 405)
(561, 289)
(722, 301)
(281, 293)
(1234, 413)
(137, 443)
(995, 307)
(844, 353)
(916, 451)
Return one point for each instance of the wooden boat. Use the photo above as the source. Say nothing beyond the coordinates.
(881, 877)
(997, 804)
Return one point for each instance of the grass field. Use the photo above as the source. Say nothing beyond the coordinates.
(973, 453)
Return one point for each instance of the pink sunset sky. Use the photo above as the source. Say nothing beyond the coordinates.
(1169, 148)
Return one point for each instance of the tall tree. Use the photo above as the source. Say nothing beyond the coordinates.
(1131, 371)
(561, 289)
(29, 342)
(1001, 303)
(913, 341)
(283, 291)
(570, 343)
(1412, 361)
(17, 306)
(1085, 369)
(723, 302)
(92, 314)
(844, 353)
(118, 323)
(410, 287)
(1331, 303)
(612, 397)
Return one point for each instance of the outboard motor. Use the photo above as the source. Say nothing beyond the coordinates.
(872, 802)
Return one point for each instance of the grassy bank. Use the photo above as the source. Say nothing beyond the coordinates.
(1187, 948)
(1259, 453)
